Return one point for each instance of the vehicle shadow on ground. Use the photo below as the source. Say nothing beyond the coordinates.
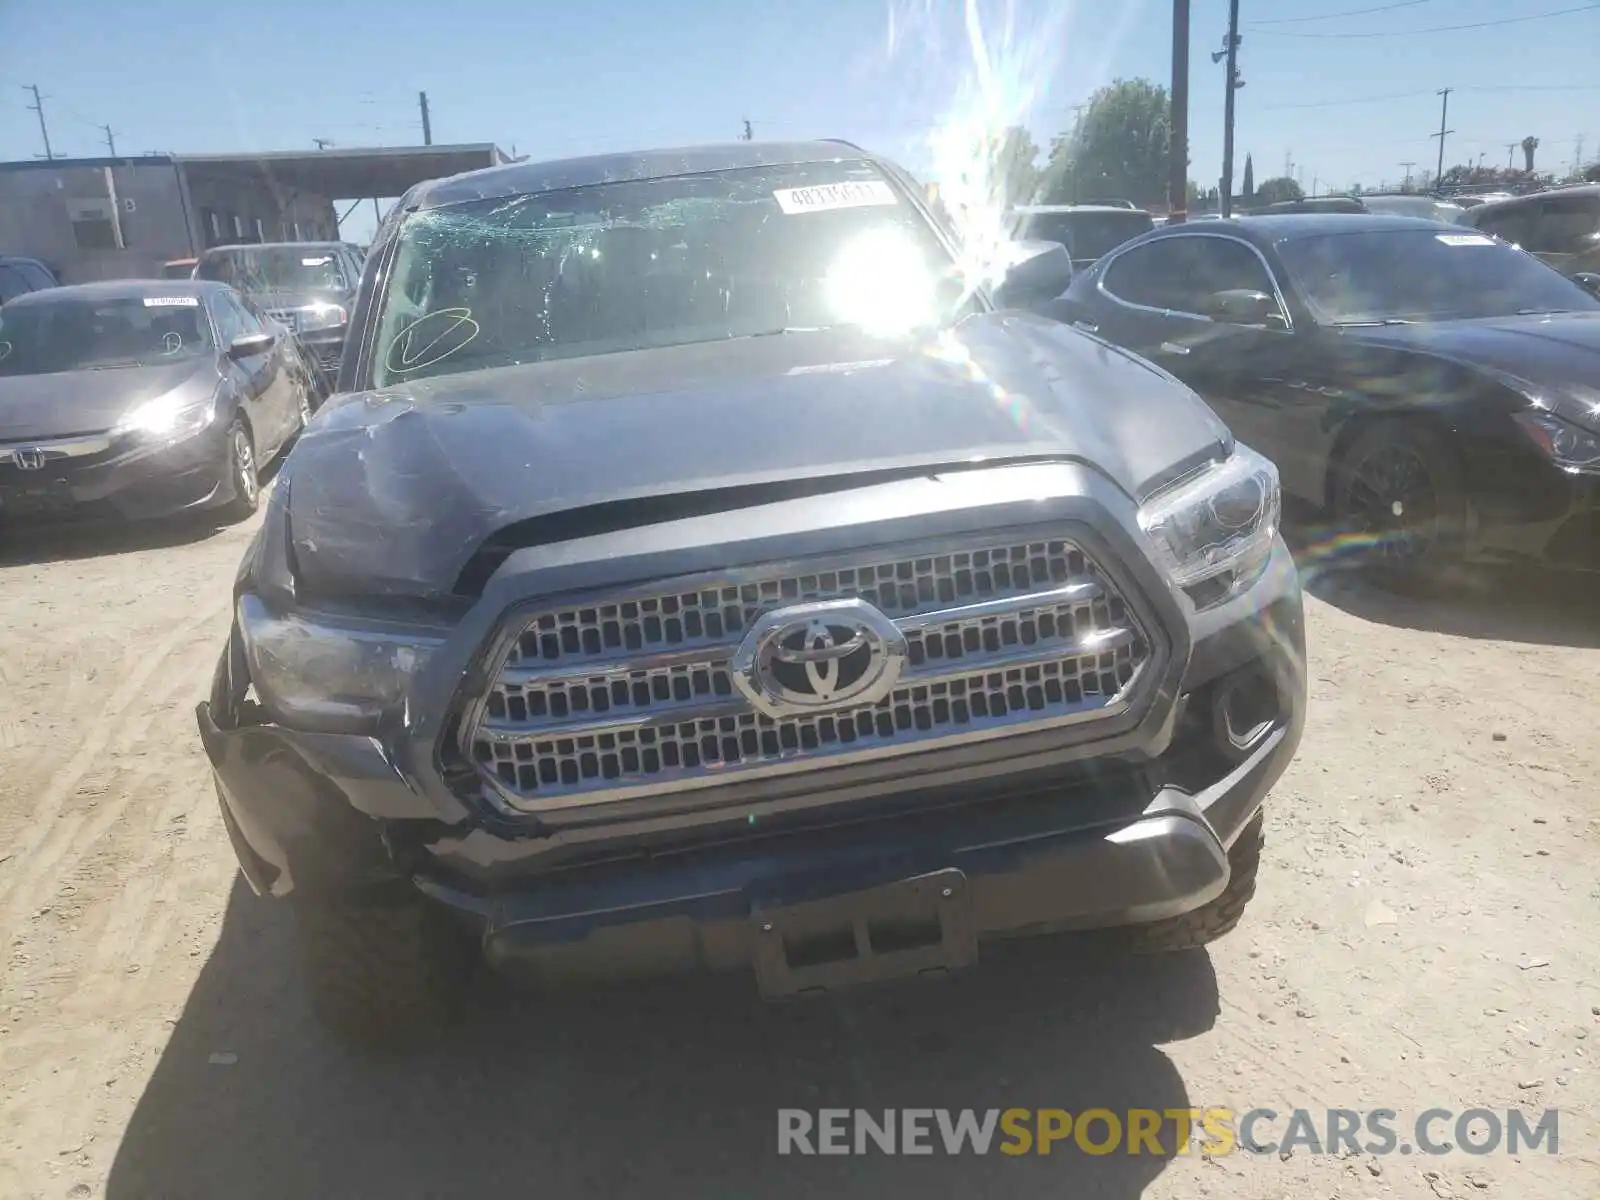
(671, 1087)
(1498, 603)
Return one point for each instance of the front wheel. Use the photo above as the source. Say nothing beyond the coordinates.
(1399, 491)
(1206, 924)
(241, 471)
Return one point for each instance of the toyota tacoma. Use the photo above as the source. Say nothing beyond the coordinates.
(706, 562)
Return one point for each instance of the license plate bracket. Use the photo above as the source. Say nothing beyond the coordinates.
(50, 497)
(923, 925)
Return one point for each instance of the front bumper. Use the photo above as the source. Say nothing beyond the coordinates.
(1525, 507)
(126, 482)
(1126, 829)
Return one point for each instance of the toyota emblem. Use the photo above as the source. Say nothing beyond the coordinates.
(827, 655)
(28, 458)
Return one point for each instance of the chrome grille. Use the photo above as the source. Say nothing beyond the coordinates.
(287, 317)
(634, 693)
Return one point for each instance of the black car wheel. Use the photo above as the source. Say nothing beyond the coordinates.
(242, 471)
(1399, 488)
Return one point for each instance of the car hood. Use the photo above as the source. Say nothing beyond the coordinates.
(1556, 357)
(392, 491)
(72, 402)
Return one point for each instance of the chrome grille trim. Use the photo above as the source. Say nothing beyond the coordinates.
(627, 695)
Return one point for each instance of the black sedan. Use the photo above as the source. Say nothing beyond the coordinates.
(1435, 389)
(141, 398)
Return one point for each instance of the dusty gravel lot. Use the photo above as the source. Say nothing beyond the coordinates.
(1424, 937)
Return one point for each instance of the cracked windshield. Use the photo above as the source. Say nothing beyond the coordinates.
(873, 597)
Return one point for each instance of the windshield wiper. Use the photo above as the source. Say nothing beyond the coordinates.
(115, 363)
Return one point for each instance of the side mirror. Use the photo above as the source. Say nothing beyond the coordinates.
(250, 345)
(1588, 281)
(1244, 306)
(1037, 271)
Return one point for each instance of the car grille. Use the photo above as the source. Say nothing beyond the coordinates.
(635, 693)
(287, 317)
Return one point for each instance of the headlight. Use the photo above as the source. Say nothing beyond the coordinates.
(167, 419)
(322, 316)
(1570, 447)
(327, 674)
(1213, 533)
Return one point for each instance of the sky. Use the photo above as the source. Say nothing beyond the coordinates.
(1344, 90)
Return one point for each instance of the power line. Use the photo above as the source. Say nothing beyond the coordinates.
(1510, 87)
(1349, 12)
(1560, 12)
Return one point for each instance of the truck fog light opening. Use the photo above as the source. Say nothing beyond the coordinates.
(1245, 707)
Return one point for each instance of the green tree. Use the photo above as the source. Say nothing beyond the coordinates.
(1248, 186)
(1118, 149)
(1014, 165)
(1272, 191)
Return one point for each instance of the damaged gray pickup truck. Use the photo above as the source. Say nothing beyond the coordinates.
(698, 567)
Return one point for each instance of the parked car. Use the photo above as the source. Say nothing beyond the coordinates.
(1086, 230)
(1398, 204)
(1311, 204)
(141, 398)
(695, 570)
(1431, 387)
(1561, 226)
(19, 276)
(178, 268)
(307, 287)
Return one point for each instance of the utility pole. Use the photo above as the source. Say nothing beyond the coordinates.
(1511, 150)
(322, 143)
(1178, 148)
(1444, 112)
(749, 134)
(38, 107)
(1233, 84)
(111, 141)
(1406, 186)
(427, 124)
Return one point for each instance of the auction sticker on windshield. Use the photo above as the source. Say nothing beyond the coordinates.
(863, 193)
(317, 262)
(171, 302)
(1465, 239)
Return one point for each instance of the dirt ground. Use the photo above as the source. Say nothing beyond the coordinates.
(1423, 937)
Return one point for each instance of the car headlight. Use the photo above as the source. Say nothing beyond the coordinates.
(322, 316)
(168, 418)
(1214, 531)
(327, 674)
(1569, 446)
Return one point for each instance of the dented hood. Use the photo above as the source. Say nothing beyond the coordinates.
(391, 492)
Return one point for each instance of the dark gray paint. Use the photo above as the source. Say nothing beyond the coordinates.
(391, 492)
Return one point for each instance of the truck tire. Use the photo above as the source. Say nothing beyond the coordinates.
(1204, 925)
(384, 973)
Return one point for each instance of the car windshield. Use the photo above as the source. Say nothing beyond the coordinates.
(1423, 274)
(275, 268)
(47, 336)
(1086, 234)
(629, 265)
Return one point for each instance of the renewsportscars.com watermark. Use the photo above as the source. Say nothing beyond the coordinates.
(1163, 1132)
